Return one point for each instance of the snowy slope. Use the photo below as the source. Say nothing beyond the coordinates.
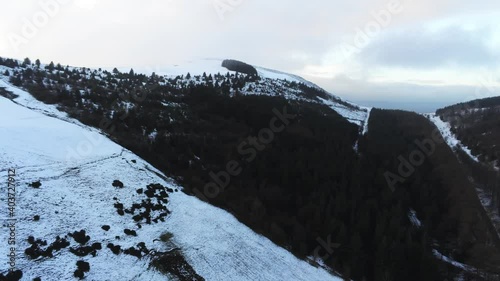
(272, 83)
(192, 66)
(272, 79)
(77, 193)
(275, 74)
(198, 66)
(357, 116)
(354, 114)
(450, 138)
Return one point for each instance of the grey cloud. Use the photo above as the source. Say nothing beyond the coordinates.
(406, 96)
(420, 48)
(284, 35)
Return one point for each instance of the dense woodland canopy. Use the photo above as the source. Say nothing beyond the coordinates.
(308, 184)
(477, 125)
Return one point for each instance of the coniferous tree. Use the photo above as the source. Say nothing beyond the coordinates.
(26, 62)
(50, 67)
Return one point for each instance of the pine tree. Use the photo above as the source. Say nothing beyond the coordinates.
(26, 62)
(16, 80)
(50, 67)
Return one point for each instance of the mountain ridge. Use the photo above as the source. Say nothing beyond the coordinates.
(87, 182)
(320, 177)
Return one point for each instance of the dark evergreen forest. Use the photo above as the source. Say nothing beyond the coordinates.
(301, 184)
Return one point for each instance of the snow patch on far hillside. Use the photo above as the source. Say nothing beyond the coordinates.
(412, 215)
(449, 137)
(453, 262)
(357, 115)
(275, 74)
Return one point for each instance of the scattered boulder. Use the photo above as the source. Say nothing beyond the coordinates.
(116, 249)
(60, 244)
(149, 193)
(12, 276)
(83, 266)
(117, 183)
(106, 227)
(97, 246)
(130, 232)
(80, 237)
(83, 251)
(33, 252)
(133, 252)
(35, 184)
(79, 274)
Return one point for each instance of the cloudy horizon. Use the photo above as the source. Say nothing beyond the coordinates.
(393, 54)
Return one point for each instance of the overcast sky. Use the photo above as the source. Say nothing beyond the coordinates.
(407, 54)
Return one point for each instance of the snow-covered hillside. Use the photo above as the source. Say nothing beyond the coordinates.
(195, 66)
(272, 84)
(449, 137)
(484, 196)
(353, 113)
(76, 166)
